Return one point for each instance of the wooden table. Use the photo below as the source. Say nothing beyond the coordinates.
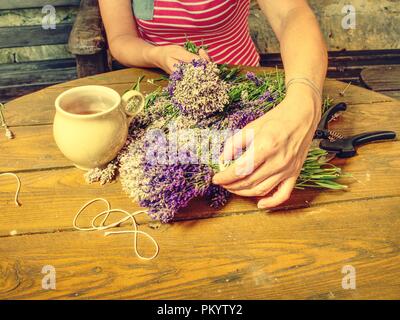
(383, 79)
(237, 252)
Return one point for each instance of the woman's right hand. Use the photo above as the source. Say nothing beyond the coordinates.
(167, 57)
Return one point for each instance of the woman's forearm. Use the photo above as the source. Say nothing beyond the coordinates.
(303, 48)
(133, 51)
(123, 38)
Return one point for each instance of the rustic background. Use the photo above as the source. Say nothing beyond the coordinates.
(32, 58)
(377, 27)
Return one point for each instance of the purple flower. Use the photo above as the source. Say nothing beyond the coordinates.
(170, 187)
(217, 196)
(241, 118)
(175, 76)
(266, 96)
(252, 77)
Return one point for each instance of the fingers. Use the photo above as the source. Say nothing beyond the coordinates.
(268, 169)
(261, 189)
(185, 56)
(235, 144)
(240, 168)
(280, 196)
(203, 54)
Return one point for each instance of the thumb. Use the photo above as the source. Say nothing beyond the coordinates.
(203, 54)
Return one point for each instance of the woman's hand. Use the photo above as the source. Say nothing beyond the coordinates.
(276, 151)
(166, 57)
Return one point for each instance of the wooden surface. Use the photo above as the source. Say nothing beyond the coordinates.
(17, 79)
(26, 36)
(346, 65)
(87, 36)
(383, 79)
(297, 251)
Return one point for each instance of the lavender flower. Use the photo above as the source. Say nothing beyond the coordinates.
(162, 186)
(171, 187)
(217, 196)
(197, 89)
(241, 118)
(163, 166)
(252, 77)
(103, 176)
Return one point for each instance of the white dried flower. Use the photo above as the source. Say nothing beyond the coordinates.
(9, 134)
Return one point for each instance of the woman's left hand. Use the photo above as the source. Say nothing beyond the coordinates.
(277, 148)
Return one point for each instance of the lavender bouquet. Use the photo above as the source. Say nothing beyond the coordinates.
(174, 144)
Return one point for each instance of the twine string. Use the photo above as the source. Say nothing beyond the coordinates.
(18, 186)
(103, 226)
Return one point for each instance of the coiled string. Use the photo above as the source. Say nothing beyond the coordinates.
(18, 186)
(102, 226)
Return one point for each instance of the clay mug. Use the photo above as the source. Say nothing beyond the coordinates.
(91, 123)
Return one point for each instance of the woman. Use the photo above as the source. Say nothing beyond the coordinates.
(281, 138)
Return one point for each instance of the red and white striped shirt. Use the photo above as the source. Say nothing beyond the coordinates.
(222, 25)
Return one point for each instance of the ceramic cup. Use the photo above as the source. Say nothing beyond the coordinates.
(91, 124)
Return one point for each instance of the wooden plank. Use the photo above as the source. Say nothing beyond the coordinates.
(33, 148)
(259, 256)
(29, 142)
(13, 92)
(36, 65)
(332, 88)
(38, 108)
(346, 58)
(382, 78)
(50, 198)
(24, 4)
(393, 94)
(38, 77)
(89, 65)
(26, 36)
(88, 36)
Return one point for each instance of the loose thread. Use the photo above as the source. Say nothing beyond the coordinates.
(8, 133)
(18, 186)
(102, 226)
(341, 93)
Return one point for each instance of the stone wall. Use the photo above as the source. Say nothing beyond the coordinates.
(27, 17)
(377, 27)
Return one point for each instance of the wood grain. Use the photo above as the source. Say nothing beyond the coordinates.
(87, 36)
(296, 255)
(44, 193)
(38, 108)
(38, 77)
(382, 78)
(237, 252)
(26, 36)
(34, 147)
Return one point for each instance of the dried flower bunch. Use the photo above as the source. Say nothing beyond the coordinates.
(173, 145)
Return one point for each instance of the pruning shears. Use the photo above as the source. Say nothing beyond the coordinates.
(344, 147)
